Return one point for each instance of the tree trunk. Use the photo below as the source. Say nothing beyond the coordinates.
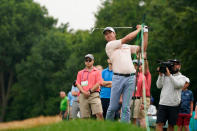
(2, 94)
(5, 93)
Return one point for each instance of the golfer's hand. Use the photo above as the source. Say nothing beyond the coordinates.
(139, 27)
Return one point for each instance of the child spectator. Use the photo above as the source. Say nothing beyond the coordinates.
(186, 108)
(63, 105)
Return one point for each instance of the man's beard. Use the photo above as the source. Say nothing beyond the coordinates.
(176, 71)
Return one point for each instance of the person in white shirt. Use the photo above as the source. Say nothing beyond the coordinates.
(123, 81)
(152, 111)
(171, 86)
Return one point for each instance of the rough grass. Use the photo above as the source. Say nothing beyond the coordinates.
(29, 123)
(39, 124)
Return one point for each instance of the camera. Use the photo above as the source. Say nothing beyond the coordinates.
(163, 64)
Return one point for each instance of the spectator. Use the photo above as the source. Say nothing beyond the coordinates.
(152, 111)
(170, 97)
(63, 105)
(99, 67)
(186, 107)
(106, 88)
(75, 104)
(88, 82)
(70, 102)
(123, 81)
(152, 108)
(138, 100)
(195, 117)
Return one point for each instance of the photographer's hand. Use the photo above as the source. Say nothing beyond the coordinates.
(167, 72)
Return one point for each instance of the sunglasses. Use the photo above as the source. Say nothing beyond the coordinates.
(110, 63)
(88, 60)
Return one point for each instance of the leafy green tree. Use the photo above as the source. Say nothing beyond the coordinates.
(21, 25)
(42, 76)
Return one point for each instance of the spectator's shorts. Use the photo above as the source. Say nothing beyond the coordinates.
(183, 119)
(91, 105)
(169, 113)
(139, 113)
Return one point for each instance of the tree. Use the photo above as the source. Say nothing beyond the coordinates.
(42, 75)
(21, 25)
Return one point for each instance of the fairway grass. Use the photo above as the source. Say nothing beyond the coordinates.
(85, 125)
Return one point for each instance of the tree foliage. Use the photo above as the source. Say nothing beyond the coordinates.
(21, 25)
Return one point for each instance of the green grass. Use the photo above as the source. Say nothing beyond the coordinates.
(86, 125)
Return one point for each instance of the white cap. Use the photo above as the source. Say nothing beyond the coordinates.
(110, 29)
(89, 56)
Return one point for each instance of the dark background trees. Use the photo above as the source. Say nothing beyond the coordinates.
(37, 59)
(22, 23)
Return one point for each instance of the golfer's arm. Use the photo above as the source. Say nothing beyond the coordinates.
(145, 40)
(146, 66)
(130, 36)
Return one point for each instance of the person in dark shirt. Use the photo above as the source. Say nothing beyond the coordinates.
(186, 108)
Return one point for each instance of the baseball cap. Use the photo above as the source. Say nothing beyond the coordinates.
(175, 61)
(89, 56)
(110, 29)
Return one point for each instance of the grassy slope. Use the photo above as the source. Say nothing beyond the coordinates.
(85, 125)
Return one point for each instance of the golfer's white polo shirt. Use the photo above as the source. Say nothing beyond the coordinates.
(120, 55)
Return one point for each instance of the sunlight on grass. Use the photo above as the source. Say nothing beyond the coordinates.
(29, 123)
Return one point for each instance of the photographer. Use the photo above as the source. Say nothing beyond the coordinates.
(170, 82)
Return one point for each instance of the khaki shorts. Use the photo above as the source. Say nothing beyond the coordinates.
(139, 113)
(90, 105)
